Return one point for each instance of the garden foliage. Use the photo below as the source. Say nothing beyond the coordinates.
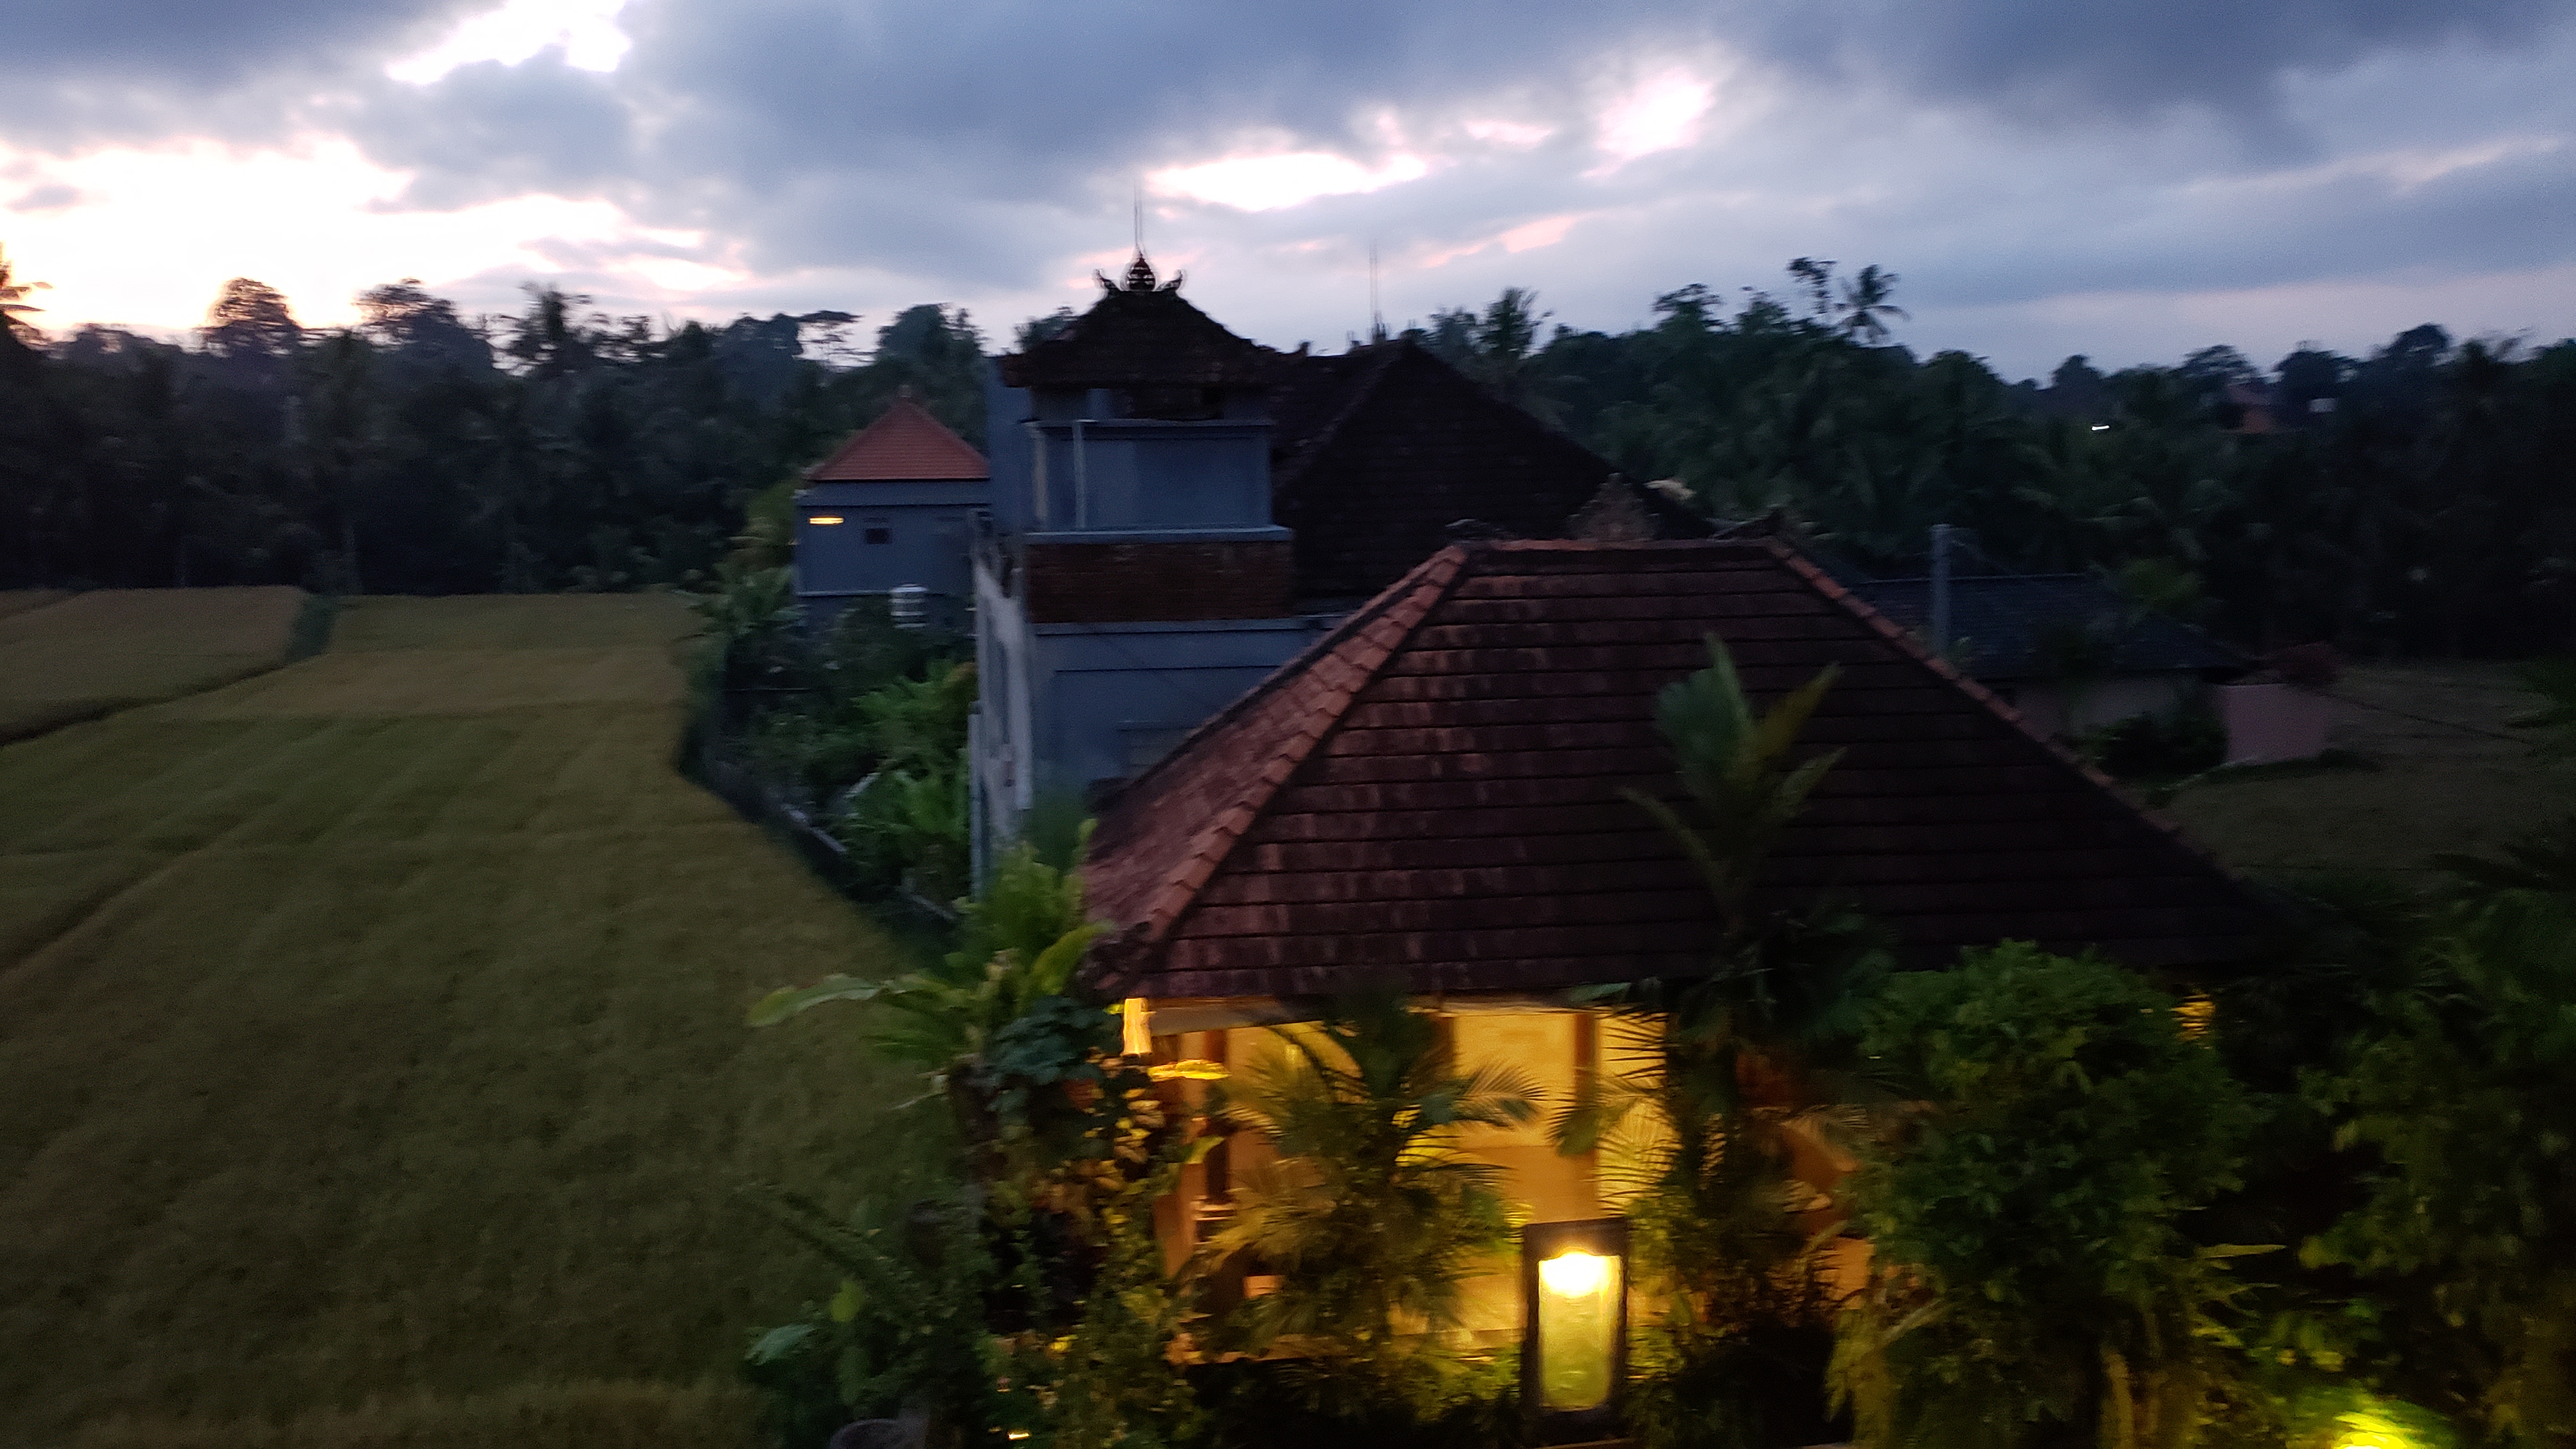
(861, 727)
(1369, 1213)
(2034, 1278)
(2463, 1097)
(1730, 1074)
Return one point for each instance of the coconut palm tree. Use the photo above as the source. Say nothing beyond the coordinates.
(1865, 305)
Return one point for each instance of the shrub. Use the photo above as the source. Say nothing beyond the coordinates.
(2179, 742)
(2033, 1283)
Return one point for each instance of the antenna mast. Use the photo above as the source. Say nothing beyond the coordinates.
(1377, 318)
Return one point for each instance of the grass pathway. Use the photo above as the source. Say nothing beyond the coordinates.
(370, 1032)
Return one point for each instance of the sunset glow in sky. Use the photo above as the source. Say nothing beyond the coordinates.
(2095, 181)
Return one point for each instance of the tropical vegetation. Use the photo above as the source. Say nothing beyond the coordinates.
(2086, 1206)
(426, 451)
(2414, 500)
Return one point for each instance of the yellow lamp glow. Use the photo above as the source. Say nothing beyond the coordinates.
(1574, 1344)
(824, 519)
(1577, 1274)
(2366, 1430)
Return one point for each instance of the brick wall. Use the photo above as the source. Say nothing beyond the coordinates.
(1120, 583)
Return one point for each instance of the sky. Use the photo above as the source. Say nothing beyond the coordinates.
(2129, 179)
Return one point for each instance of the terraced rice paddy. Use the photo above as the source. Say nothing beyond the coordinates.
(371, 1057)
(67, 657)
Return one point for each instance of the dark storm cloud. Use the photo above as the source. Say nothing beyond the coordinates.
(127, 69)
(818, 132)
(488, 130)
(2122, 58)
(1993, 150)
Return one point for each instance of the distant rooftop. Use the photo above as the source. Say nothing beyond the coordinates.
(1142, 334)
(906, 445)
(1379, 453)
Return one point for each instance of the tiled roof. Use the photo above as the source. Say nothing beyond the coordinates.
(2010, 624)
(1142, 335)
(904, 445)
(1376, 452)
(1433, 789)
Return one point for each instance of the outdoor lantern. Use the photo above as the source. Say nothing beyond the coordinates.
(1574, 1332)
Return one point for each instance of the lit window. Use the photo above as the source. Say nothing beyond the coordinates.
(824, 520)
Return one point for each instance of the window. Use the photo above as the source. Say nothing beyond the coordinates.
(1141, 745)
(878, 531)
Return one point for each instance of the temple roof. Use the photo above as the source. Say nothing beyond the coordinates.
(1142, 334)
(904, 445)
(1433, 790)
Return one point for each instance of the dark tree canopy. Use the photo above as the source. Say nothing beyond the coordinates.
(2420, 498)
(250, 319)
(423, 450)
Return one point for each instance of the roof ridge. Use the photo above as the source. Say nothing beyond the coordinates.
(1405, 604)
(902, 413)
(1824, 583)
(1372, 373)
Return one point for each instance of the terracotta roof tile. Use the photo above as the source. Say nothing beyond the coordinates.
(904, 445)
(1449, 805)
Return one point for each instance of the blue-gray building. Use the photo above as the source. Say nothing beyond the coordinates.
(1131, 582)
(1177, 511)
(895, 505)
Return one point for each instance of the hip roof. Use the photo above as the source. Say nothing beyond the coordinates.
(1433, 790)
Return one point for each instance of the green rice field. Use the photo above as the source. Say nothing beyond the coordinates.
(372, 1067)
(66, 657)
(2425, 760)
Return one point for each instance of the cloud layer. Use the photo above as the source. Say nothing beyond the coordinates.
(2008, 158)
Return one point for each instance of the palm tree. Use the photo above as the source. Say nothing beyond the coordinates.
(1864, 305)
(13, 300)
(1370, 1214)
(1729, 1071)
(1735, 767)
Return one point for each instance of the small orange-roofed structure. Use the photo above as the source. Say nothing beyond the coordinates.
(892, 507)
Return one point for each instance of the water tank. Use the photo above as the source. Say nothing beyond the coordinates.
(910, 605)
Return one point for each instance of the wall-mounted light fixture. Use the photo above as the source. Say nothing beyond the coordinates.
(1574, 1331)
(824, 519)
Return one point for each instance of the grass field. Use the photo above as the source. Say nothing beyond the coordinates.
(371, 1058)
(67, 657)
(2418, 787)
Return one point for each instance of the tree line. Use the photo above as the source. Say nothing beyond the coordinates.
(421, 450)
(2420, 499)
